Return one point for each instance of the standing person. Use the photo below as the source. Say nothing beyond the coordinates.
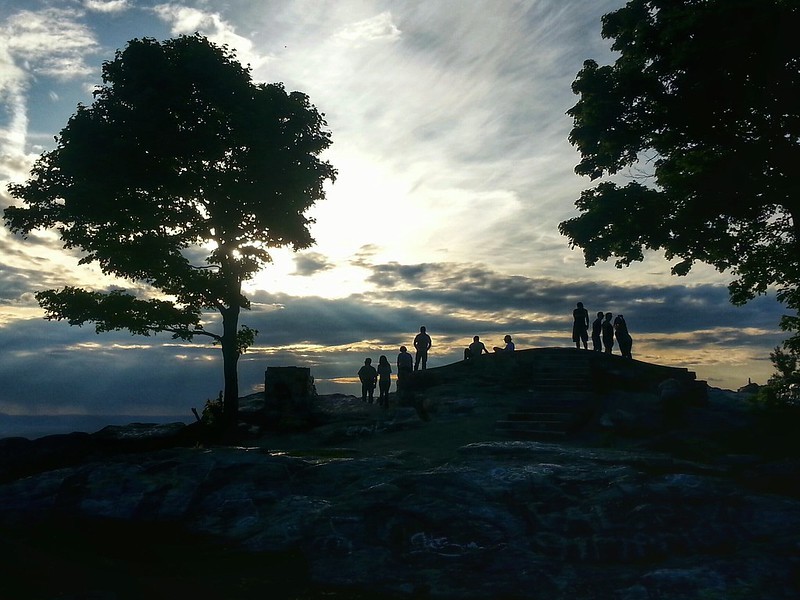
(422, 343)
(405, 366)
(597, 327)
(368, 376)
(608, 333)
(624, 339)
(509, 347)
(384, 381)
(475, 349)
(580, 326)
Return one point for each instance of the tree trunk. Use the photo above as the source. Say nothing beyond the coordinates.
(230, 361)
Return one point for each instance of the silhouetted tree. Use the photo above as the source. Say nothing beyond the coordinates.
(702, 105)
(181, 175)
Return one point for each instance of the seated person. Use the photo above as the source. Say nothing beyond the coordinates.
(509, 347)
(476, 348)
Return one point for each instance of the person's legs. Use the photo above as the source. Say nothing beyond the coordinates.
(383, 399)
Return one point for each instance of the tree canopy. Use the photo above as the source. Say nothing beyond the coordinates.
(181, 175)
(701, 108)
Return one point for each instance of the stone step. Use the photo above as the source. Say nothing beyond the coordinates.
(547, 412)
(561, 367)
(553, 401)
(554, 417)
(527, 429)
(563, 384)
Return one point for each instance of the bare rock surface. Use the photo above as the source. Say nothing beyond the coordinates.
(500, 520)
(373, 503)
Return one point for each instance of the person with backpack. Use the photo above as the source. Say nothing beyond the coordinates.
(405, 366)
(624, 339)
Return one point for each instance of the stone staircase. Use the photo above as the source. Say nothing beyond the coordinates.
(561, 395)
(561, 388)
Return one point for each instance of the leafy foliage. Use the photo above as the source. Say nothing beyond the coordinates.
(777, 407)
(783, 388)
(702, 104)
(117, 310)
(181, 175)
(212, 416)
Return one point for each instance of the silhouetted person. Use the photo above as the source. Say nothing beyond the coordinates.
(580, 326)
(597, 328)
(475, 349)
(405, 366)
(509, 347)
(422, 343)
(384, 381)
(608, 334)
(368, 376)
(624, 339)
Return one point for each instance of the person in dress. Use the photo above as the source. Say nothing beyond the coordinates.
(384, 381)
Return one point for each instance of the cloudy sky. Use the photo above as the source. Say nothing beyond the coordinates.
(450, 138)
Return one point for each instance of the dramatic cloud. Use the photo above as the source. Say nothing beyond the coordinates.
(187, 21)
(107, 6)
(450, 137)
(311, 263)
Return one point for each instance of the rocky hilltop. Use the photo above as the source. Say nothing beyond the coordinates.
(615, 480)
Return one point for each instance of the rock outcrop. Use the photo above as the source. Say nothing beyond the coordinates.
(640, 504)
(500, 520)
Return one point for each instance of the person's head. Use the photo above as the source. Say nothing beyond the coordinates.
(383, 359)
(403, 349)
(608, 316)
(599, 314)
(422, 329)
(368, 361)
(507, 339)
(476, 339)
(580, 304)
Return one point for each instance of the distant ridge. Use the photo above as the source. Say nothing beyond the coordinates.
(36, 426)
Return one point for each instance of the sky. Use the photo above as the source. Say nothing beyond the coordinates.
(454, 170)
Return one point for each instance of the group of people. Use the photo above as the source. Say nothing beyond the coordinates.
(604, 331)
(477, 347)
(381, 377)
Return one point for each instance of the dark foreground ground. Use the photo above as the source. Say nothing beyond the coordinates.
(381, 504)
